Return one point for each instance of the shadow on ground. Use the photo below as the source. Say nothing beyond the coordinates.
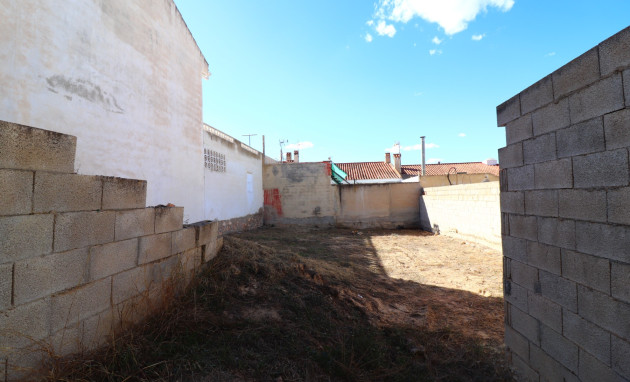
(293, 304)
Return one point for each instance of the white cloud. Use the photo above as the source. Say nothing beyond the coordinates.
(550, 54)
(434, 160)
(433, 52)
(478, 37)
(368, 37)
(384, 29)
(395, 149)
(452, 15)
(299, 146)
(370, 23)
(436, 40)
(461, 135)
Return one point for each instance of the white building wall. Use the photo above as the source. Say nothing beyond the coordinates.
(238, 190)
(122, 76)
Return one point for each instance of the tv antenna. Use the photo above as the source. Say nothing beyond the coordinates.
(249, 138)
(282, 143)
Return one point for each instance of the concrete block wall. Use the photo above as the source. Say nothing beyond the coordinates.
(565, 192)
(469, 211)
(80, 256)
(299, 193)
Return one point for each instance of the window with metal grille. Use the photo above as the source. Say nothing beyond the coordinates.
(214, 161)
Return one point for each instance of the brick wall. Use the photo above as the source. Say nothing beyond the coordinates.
(80, 256)
(470, 211)
(565, 197)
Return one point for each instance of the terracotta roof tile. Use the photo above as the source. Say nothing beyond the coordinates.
(443, 168)
(369, 170)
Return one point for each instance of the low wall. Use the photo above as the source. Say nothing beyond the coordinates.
(388, 205)
(80, 256)
(240, 224)
(299, 193)
(302, 193)
(469, 211)
(565, 193)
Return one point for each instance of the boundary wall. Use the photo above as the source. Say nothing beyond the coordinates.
(565, 204)
(80, 256)
(302, 193)
(469, 211)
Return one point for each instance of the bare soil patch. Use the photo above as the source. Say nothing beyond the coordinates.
(322, 304)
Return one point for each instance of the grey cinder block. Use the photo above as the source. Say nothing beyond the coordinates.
(168, 219)
(588, 336)
(586, 269)
(6, 278)
(617, 128)
(603, 240)
(605, 169)
(598, 99)
(540, 149)
(577, 74)
(112, 258)
(16, 188)
(621, 356)
(619, 205)
(583, 205)
(28, 148)
(135, 223)
(561, 349)
(554, 174)
(537, 95)
(525, 324)
(66, 192)
(514, 248)
(524, 275)
(614, 53)
(41, 276)
(548, 312)
(511, 156)
(524, 227)
(583, 138)
(80, 229)
(80, 303)
(544, 257)
(16, 245)
(604, 310)
(121, 193)
(520, 178)
(512, 202)
(154, 247)
(541, 203)
(182, 240)
(591, 369)
(508, 111)
(557, 232)
(552, 117)
(620, 285)
(519, 129)
(516, 342)
(559, 290)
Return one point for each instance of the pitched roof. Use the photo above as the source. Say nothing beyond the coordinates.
(369, 170)
(444, 168)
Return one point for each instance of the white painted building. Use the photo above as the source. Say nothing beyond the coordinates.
(122, 76)
(232, 175)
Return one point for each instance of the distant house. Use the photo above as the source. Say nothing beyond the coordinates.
(440, 174)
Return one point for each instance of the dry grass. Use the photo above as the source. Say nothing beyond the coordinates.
(310, 304)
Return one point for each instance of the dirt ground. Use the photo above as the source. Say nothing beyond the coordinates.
(321, 304)
(418, 278)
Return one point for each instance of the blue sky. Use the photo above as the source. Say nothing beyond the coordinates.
(348, 79)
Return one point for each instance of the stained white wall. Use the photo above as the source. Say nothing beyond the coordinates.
(238, 191)
(123, 76)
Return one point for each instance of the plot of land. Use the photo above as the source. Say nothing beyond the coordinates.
(323, 304)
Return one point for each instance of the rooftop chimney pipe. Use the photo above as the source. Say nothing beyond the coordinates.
(387, 158)
(423, 162)
(289, 157)
(296, 156)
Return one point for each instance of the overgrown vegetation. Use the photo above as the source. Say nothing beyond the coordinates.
(305, 304)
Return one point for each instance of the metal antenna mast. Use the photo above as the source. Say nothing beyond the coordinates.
(282, 143)
(249, 137)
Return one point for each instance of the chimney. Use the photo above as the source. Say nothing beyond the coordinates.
(387, 158)
(289, 157)
(423, 162)
(296, 156)
(397, 162)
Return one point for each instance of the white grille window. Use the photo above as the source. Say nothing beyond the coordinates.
(214, 161)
